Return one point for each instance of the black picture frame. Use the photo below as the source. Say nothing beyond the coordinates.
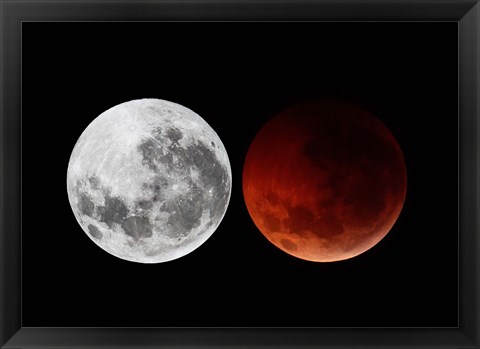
(13, 13)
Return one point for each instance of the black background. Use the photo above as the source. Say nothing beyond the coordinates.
(237, 76)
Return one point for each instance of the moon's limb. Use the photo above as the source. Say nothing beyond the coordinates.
(324, 180)
(149, 181)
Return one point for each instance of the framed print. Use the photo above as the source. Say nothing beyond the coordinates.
(239, 174)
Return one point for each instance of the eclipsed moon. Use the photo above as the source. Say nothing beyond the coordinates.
(324, 180)
(149, 181)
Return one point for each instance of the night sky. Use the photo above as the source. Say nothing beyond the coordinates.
(237, 76)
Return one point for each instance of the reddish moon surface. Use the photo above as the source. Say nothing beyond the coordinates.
(324, 181)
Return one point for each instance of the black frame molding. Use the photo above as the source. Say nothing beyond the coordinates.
(14, 12)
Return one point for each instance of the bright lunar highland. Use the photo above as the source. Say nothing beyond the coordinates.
(149, 181)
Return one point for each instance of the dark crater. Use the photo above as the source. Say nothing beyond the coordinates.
(288, 245)
(174, 134)
(93, 230)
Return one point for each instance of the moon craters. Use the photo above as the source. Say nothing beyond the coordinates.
(158, 188)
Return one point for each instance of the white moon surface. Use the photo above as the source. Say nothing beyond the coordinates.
(149, 181)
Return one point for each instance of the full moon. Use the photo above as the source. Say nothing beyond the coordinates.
(149, 181)
(324, 180)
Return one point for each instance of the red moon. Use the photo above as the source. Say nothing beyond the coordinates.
(324, 180)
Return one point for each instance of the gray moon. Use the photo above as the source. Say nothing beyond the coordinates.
(149, 181)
